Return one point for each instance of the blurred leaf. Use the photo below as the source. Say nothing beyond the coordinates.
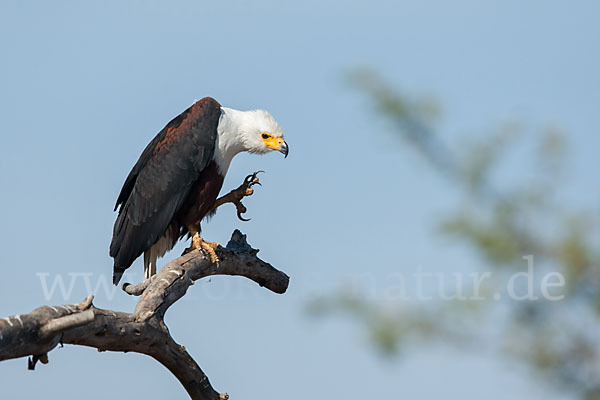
(412, 119)
(501, 223)
(572, 250)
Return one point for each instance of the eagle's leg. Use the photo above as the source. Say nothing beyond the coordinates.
(236, 195)
(200, 244)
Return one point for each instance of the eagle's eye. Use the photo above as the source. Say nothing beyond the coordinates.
(265, 135)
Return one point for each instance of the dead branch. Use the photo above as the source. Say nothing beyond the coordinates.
(144, 330)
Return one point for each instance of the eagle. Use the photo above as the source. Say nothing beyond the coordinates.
(176, 181)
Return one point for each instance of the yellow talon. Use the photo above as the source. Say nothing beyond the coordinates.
(207, 247)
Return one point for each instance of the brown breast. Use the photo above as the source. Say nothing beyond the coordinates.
(201, 198)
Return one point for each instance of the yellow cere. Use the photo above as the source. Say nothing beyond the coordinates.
(271, 142)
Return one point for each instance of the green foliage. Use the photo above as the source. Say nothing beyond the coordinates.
(506, 214)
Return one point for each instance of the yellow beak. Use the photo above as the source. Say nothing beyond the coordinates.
(278, 144)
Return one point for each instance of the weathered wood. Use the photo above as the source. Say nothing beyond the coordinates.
(144, 330)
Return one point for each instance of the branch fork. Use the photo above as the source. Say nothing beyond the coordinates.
(144, 330)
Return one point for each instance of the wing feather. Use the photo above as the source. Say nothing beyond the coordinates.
(161, 180)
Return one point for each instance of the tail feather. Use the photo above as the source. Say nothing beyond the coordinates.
(150, 258)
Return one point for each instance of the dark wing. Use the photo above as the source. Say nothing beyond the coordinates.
(161, 179)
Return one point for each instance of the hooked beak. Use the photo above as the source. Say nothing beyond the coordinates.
(275, 143)
(284, 148)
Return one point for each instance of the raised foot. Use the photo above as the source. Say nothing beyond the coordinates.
(236, 195)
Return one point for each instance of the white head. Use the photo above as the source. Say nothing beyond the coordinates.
(254, 131)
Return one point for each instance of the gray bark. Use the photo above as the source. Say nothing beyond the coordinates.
(144, 330)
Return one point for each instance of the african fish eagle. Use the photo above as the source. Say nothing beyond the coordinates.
(177, 179)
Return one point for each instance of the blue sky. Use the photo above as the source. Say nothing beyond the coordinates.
(85, 85)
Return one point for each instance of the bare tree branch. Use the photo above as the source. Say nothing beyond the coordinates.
(144, 330)
(59, 325)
